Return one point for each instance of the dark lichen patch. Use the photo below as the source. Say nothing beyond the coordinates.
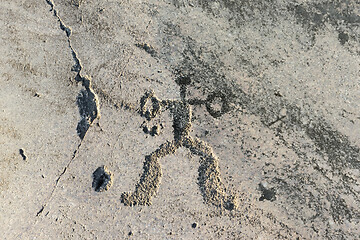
(148, 48)
(343, 37)
(102, 179)
(340, 151)
(339, 209)
(314, 16)
(267, 193)
(183, 80)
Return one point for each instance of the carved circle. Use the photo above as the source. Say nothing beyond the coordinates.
(217, 104)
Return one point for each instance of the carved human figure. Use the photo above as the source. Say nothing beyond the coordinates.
(210, 183)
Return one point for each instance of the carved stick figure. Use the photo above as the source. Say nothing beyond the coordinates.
(212, 188)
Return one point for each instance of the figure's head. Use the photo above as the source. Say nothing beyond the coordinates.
(149, 112)
(183, 82)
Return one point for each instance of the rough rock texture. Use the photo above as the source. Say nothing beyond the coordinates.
(259, 122)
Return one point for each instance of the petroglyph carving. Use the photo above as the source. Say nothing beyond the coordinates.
(210, 183)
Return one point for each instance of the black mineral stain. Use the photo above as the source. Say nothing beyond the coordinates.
(102, 179)
(267, 194)
(339, 149)
(313, 16)
(194, 225)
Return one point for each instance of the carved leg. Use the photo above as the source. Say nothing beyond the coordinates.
(210, 183)
(150, 180)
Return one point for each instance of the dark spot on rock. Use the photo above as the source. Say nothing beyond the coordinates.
(343, 37)
(277, 94)
(40, 211)
(267, 193)
(145, 129)
(149, 49)
(22, 153)
(230, 206)
(318, 18)
(155, 130)
(130, 233)
(194, 225)
(183, 80)
(102, 179)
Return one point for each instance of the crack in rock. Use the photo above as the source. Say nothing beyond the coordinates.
(87, 100)
(88, 104)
